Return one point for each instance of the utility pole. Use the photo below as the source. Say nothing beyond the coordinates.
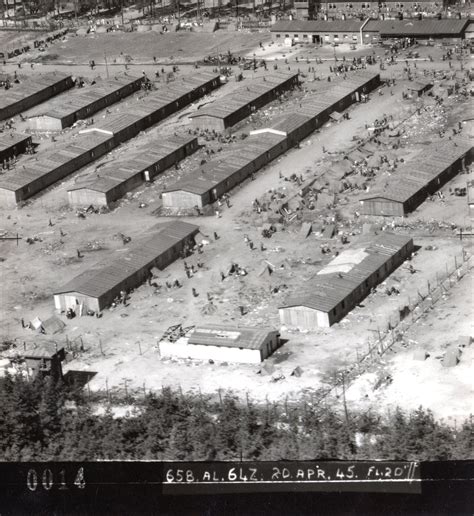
(106, 65)
(121, 11)
(346, 412)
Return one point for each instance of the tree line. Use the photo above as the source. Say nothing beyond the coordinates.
(44, 420)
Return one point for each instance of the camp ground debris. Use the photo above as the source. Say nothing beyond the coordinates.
(329, 231)
(335, 116)
(267, 370)
(421, 355)
(452, 357)
(209, 308)
(173, 333)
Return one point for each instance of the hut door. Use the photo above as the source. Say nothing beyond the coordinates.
(357, 96)
(146, 175)
(70, 302)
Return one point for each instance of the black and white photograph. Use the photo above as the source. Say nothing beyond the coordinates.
(236, 246)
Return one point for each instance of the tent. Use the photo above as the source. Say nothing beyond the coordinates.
(329, 231)
(53, 325)
(36, 323)
(420, 354)
(297, 371)
(452, 357)
(306, 229)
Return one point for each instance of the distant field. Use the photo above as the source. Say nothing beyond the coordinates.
(142, 47)
(10, 39)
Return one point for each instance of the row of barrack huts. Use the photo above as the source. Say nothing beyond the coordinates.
(80, 104)
(331, 295)
(144, 163)
(46, 168)
(114, 181)
(218, 176)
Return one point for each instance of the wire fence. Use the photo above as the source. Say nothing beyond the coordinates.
(386, 337)
(401, 321)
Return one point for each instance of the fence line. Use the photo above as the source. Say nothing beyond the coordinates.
(413, 311)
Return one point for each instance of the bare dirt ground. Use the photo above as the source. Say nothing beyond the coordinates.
(445, 390)
(12, 39)
(142, 47)
(122, 344)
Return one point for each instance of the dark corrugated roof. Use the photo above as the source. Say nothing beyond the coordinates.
(292, 26)
(41, 165)
(111, 273)
(41, 350)
(91, 137)
(221, 168)
(30, 87)
(248, 93)
(71, 102)
(11, 139)
(120, 170)
(329, 289)
(229, 336)
(415, 175)
(417, 27)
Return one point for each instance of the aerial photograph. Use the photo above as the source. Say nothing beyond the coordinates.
(236, 231)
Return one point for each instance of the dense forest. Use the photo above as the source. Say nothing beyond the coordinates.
(43, 420)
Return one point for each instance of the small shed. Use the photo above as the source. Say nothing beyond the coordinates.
(223, 343)
(419, 87)
(44, 358)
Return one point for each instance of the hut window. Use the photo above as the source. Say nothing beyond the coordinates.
(334, 312)
(278, 35)
(305, 36)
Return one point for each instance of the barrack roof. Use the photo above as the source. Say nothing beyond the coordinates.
(107, 275)
(30, 87)
(334, 283)
(71, 102)
(118, 171)
(206, 177)
(318, 26)
(230, 336)
(426, 166)
(245, 95)
(11, 139)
